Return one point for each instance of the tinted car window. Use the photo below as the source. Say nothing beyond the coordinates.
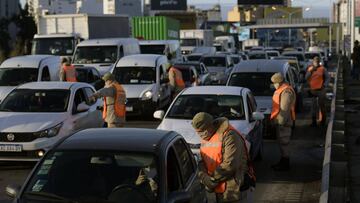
(174, 182)
(17, 76)
(215, 61)
(152, 49)
(135, 75)
(95, 54)
(259, 83)
(89, 92)
(185, 159)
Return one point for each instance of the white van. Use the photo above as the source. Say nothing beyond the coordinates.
(145, 80)
(227, 43)
(161, 47)
(104, 53)
(22, 69)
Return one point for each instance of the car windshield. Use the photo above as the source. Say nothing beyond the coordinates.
(17, 76)
(235, 59)
(186, 106)
(188, 42)
(53, 46)
(299, 57)
(135, 75)
(214, 61)
(257, 56)
(95, 54)
(311, 56)
(194, 58)
(33, 100)
(272, 54)
(259, 83)
(152, 49)
(94, 176)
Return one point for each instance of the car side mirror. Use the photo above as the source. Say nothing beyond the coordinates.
(257, 116)
(82, 107)
(159, 114)
(12, 190)
(179, 197)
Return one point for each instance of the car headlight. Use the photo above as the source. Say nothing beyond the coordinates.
(51, 132)
(147, 95)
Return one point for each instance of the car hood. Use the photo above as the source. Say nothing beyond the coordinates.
(184, 128)
(136, 91)
(29, 122)
(4, 91)
(264, 104)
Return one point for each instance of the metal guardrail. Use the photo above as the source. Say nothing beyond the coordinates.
(292, 21)
(334, 173)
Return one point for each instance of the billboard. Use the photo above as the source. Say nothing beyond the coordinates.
(169, 5)
(260, 2)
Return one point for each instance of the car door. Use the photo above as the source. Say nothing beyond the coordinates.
(256, 127)
(164, 91)
(80, 120)
(95, 115)
(182, 172)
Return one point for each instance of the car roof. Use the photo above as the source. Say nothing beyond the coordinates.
(145, 60)
(261, 65)
(107, 42)
(292, 52)
(121, 139)
(214, 56)
(216, 90)
(28, 61)
(51, 85)
(64, 35)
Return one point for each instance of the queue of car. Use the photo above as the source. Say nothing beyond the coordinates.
(48, 120)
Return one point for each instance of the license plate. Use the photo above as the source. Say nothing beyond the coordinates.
(10, 148)
(129, 108)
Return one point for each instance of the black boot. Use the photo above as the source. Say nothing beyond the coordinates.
(283, 165)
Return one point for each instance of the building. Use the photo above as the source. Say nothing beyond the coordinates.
(40, 7)
(8, 8)
(95, 7)
(123, 7)
(214, 14)
(234, 15)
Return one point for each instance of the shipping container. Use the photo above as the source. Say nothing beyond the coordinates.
(155, 28)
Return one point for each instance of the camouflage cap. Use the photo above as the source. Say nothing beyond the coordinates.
(108, 76)
(202, 120)
(277, 78)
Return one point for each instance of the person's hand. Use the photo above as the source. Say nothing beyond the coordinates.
(92, 98)
(206, 180)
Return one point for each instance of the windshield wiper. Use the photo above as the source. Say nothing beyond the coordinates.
(49, 196)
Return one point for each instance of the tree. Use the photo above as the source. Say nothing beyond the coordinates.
(4, 39)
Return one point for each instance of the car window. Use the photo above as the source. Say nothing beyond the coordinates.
(96, 74)
(185, 159)
(45, 76)
(173, 172)
(89, 92)
(294, 74)
(78, 99)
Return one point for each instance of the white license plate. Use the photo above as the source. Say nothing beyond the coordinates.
(10, 148)
(129, 108)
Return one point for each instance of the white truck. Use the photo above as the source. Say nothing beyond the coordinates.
(59, 34)
(189, 39)
(225, 44)
(248, 44)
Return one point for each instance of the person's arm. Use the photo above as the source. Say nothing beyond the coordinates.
(204, 177)
(104, 92)
(285, 107)
(308, 73)
(232, 154)
(172, 78)
(326, 78)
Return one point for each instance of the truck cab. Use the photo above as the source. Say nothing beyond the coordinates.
(55, 44)
(227, 43)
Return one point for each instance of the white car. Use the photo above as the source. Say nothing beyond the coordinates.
(22, 69)
(235, 103)
(34, 116)
(145, 81)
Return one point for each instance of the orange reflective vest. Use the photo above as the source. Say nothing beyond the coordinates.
(276, 102)
(119, 102)
(178, 77)
(316, 80)
(212, 155)
(70, 73)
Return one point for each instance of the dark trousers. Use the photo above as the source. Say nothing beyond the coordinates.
(355, 71)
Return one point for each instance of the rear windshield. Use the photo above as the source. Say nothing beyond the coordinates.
(259, 83)
(17, 76)
(152, 49)
(135, 75)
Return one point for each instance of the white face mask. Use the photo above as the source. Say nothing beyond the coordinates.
(276, 85)
(203, 134)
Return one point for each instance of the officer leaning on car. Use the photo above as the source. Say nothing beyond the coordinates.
(282, 116)
(225, 168)
(114, 101)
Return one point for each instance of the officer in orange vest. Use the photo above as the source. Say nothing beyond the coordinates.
(67, 72)
(114, 101)
(318, 79)
(282, 116)
(177, 83)
(225, 160)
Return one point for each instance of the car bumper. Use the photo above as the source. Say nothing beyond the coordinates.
(136, 107)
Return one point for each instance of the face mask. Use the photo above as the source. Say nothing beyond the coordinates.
(315, 64)
(276, 85)
(203, 134)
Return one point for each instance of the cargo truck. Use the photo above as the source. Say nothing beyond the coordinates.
(155, 28)
(59, 34)
(248, 44)
(189, 39)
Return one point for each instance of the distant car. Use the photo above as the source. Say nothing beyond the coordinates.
(34, 116)
(145, 81)
(294, 63)
(300, 57)
(201, 71)
(235, 103)
(258, 55)
(258, 48)
(219, 66)
(204, 50)
(194, 57)
(89, 75)
(272, 53)
(243, 55)
(22, 69)
(256, 75)
(115, 165)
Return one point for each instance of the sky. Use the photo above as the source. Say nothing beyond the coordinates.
(318, 8)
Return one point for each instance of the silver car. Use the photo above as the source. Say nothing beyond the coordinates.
(219, 66)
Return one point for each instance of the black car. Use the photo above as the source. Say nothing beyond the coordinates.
(114, 165)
